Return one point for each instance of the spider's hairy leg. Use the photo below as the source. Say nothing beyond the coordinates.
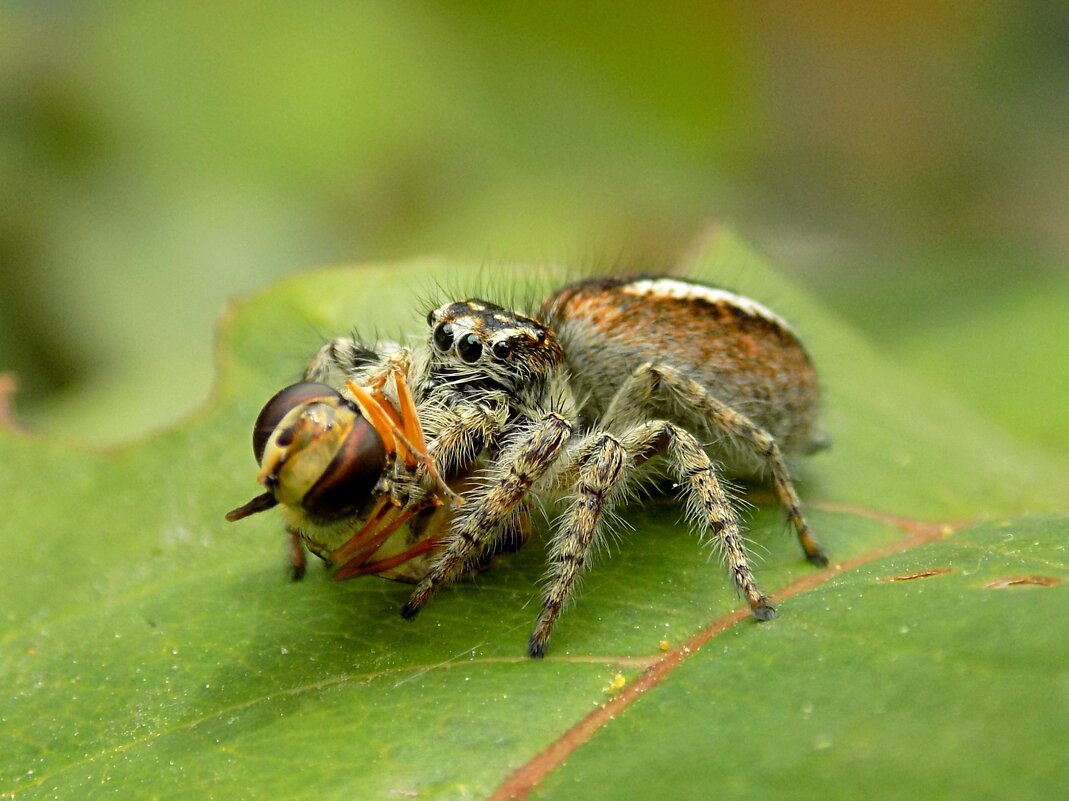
(603, 468)
(480, 518)
(512, 534)
(690, 396)
(706, 502)
(341, 356)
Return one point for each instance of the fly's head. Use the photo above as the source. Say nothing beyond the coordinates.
(319, 456)
(477, 346)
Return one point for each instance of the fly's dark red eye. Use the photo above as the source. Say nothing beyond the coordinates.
(443, 337)
(470, 348)
(349, 480)
(280, 405)
(502, 349)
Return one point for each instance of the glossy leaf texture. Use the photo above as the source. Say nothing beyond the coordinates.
(149, 649)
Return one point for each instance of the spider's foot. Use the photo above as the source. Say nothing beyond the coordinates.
(814, 551)
(536, 647)
(819, 557)
(537, 644)
(763, 610)
(417, 601)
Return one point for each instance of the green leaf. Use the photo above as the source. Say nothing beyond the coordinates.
(939, 672)
(150, 649)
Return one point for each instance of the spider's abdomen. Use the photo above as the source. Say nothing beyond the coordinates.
(744, 354)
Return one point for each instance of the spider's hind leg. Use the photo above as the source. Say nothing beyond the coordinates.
(695, 400)
(707, 504)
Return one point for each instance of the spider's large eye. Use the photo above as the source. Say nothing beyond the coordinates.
(443, 336)
(502, 348)
(470, 348)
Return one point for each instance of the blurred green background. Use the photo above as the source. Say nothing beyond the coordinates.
(908, 162)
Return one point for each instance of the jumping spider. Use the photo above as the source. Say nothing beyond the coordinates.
(608, 378)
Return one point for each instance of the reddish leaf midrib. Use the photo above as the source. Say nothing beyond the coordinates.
(527, 777)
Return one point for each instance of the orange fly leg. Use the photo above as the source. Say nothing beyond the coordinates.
(406, 435)
(412, 436)
(386, 406)
(410, 420)
(395, 560)
(375, 390)
(381, 414)
(376, 521)
(373, 410)
(351, 559)
(377, 408)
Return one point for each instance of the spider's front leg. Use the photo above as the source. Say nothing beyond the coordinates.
(340, 358)
(604, 468)
(528, 459)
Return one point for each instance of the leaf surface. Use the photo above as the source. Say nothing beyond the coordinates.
(148, 649)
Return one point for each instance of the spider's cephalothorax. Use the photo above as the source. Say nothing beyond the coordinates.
(608, 379)
(479, 348)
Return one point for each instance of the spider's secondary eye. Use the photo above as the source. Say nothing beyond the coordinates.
(443, 336)
(430, 317)
(470, 348)
(502, 349)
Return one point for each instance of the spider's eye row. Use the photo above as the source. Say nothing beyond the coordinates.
(502, 349)
(443, 336)
(470, 348)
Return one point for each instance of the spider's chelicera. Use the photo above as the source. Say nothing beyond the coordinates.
(429, 459)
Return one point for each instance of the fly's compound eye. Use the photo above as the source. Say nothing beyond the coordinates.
(470, 348)
(502, 349)
(357, 460)
(443, 337)
(282, 404)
